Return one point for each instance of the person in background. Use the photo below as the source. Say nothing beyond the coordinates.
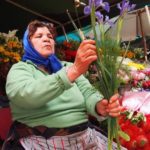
(50, 100)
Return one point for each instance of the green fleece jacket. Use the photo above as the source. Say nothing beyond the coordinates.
(38, 98)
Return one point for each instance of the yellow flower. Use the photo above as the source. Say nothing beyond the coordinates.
(137, 66)
(6, 60)
(2, 49)
(11, 49)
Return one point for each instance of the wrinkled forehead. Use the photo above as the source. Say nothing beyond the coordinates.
(42, 30)
(33, 27)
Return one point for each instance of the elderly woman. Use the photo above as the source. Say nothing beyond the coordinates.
(51, 100)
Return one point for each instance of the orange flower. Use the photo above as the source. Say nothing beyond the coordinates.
(10, 47)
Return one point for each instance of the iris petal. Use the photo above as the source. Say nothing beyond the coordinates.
(99, 16)
(87, 10)
(106, 6)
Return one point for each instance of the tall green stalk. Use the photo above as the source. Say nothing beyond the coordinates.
(107, 76)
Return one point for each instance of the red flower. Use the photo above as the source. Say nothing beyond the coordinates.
(142, 141)
(132, 145)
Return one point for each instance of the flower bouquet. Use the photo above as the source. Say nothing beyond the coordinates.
(108, 50)
(10, 52)
(10, 47)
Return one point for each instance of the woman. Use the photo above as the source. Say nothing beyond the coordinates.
(50, 100)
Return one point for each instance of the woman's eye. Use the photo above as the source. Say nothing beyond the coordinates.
(39, 36)
(50, 36)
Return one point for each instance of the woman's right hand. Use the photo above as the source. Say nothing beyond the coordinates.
(86, 54)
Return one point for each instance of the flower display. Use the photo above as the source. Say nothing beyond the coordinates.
(140, 79)
(10, 47)
(129, 54)
(69, 45)
(107, 65)
(139, 53)
(137, 126)
(135, 66)
(67, 50)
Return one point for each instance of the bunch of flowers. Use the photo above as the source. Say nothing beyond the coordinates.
(108, 50)
(139, 53)
(67, 50)
(141, 79)
(10, 47)
(137, 76)
(128, 54)
(69, 45)
(137, 126)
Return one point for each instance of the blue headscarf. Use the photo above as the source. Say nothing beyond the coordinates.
(52, 63)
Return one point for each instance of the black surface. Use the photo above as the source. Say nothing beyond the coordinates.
(13, 17)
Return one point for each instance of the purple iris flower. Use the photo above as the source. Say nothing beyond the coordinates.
(98, 3)
(107, 20)
(90, 3)
(106, 6)
(132, 6)
(99, 16)
(87, 10)
(125, 6)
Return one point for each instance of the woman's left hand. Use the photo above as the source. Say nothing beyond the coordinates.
(111, 107)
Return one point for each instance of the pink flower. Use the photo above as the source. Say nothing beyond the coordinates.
(138, 75)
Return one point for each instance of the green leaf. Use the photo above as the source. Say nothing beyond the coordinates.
(124, 135)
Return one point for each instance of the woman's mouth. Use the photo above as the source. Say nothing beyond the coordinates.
(47, 46)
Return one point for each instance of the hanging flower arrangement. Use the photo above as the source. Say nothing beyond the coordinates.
(10, 47)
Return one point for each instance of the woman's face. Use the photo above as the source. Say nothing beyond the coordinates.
(42, 40)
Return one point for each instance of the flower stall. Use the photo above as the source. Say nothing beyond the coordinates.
(135, 118)
(10, 52)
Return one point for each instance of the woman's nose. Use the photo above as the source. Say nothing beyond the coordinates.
(46, 38)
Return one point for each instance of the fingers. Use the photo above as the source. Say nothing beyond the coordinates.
(115, 112)
(104, 102)
(113, 104)
(89, 52)
(114, 98)
(86, 50)
(86, 54)
(114, 107)
(90, 59)
(101, 107)
(104, 107)
(87, 45)
(89, 41)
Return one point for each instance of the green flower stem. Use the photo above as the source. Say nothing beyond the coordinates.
(94, 30)
(80, 33)
(98, 62)
(119, 27)
(107, 77)
(102, 33)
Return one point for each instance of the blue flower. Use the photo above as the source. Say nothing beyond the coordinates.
(87, 10)
(99, 16)
(107, 20)
(106, 6)
(97, 4)
(125, 6)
